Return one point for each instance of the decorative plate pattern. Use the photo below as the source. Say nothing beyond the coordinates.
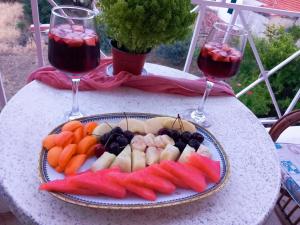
(47, 173)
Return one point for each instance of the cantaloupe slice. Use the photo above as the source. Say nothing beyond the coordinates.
(138, 160)
(123, 160)
(133, 125)
(188, 150)
(170, 152)
(176, 125)
(103, 162)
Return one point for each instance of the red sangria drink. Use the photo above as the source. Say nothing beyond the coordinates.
(73, 48)
(219, 61)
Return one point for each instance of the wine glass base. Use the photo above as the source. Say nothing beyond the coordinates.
(72, 116)
(197, 117)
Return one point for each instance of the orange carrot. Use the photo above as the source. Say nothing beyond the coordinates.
(66, 155)
(64, 138)
(71, 126)
(75, 163)
(91, 151)
(85, 144)
(89, 128)
(49, 141)
(78, 135)
(53, 156)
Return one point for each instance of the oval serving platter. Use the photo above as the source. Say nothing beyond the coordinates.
(47, 173)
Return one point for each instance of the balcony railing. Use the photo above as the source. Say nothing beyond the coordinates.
(239, 11)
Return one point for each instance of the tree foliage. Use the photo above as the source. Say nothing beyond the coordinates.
(138, 25)
(276, 47)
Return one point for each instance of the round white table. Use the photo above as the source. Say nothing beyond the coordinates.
(35, 110)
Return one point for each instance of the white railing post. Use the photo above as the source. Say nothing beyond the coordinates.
(195, 36)
(260, 65)
(37, 33)
(293, 103)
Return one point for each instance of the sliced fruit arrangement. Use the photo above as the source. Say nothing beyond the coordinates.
(163, 178)
(69, 149)
(142, 157)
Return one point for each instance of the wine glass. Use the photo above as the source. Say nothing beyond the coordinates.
(74, 46)
(219, 59)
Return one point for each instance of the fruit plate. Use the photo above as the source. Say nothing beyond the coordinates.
(47, 173)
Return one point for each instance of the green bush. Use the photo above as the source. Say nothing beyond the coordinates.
(138, 25)
(273, 49)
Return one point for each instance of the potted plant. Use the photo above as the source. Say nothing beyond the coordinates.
(137, 26)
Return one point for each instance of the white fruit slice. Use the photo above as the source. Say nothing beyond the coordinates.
(204, 151)
(188, 150)
(138, 143)
(159, 143)
(123, 160)
(138, 160)
(187, 126)
(103, 162)
(153, 125)
(169, 153)
(149, 140)
(167, 140)
(134, 125)
(152, 155)
(102, 129)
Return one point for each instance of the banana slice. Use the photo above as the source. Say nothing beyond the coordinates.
(167, 140)
(123, 160)
(169, 153)
(159, 143)
(138, 160)
(152, 155)
(134, 125)
(187, 126)
(102, 129)
(149, 140)
(138, 143)
(188, 150)
(204, 151)
(103, 162)
(153, 125)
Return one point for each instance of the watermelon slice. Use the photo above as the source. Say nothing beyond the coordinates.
(121, 179)
(210, 168)
(192, 178)
(156, 170)
(100, 184)
(147, 180)
(66, 187)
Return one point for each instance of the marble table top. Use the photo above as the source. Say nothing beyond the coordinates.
(35, 110)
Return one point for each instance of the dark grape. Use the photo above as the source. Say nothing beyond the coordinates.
(174, 134)
(197, 136)
(99, 150)
(180, 145)
(104, 138)
(122, 141)
(186, 136)
(129, 135)
(114, 148)
(163, 131)
(194, 143)
(117, 130)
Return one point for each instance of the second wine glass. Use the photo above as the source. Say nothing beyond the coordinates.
(219, 59)
(74, 47)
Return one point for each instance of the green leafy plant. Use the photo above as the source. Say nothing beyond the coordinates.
(277, 46)
(139, 25)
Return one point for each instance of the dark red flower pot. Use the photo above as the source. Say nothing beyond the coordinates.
(126, 61)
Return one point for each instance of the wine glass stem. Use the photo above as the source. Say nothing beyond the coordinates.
(209, 86)
(75, 105)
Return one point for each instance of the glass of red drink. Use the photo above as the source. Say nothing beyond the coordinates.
(74, 46)
(219, 59)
